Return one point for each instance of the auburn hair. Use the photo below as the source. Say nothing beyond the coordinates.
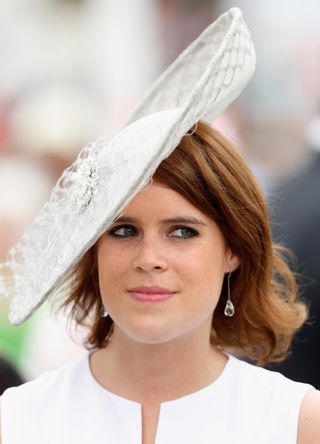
(210, 173)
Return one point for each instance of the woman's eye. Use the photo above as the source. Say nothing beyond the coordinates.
(124, 231)
(183, 232)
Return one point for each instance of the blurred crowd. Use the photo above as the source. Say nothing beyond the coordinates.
(72, 70)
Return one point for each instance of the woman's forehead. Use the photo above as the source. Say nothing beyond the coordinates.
(159, 198)
(163, 205)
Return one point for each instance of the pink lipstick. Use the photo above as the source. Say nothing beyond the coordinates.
(151, 294)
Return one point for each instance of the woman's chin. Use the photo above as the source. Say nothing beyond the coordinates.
(149, 333)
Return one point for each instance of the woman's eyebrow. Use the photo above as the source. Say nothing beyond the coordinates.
(183, 220)
(172, 220)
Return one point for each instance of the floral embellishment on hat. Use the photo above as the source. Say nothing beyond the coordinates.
(86, 180)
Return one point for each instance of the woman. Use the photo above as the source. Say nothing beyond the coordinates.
(184, 275)
(196, 238)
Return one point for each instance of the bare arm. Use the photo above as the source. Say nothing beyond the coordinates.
(309, 420)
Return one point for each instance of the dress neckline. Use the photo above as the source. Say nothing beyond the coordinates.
(197, 395)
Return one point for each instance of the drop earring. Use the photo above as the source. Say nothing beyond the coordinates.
(103, 312)
(229, 308)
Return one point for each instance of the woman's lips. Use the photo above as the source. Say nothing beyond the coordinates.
(151, 294)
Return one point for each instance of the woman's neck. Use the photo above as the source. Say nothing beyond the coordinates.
(154, 373)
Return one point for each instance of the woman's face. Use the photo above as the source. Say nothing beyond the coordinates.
(161, 267)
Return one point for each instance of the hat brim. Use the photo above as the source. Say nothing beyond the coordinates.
(93, 192)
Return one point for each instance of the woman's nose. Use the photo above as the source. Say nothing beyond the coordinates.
(149, 257)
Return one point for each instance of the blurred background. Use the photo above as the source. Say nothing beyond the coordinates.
(72, 70)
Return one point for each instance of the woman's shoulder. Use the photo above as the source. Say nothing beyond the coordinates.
(269, 389)
(27, 404)
(264, 379)
(284, 405)
(45, 385)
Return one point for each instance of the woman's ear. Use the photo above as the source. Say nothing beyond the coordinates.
(232, 261)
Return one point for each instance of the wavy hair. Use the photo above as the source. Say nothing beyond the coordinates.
(210, 173)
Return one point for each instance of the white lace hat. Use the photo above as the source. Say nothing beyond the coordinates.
(97, 187)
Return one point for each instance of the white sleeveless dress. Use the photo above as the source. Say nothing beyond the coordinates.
(245, 405)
